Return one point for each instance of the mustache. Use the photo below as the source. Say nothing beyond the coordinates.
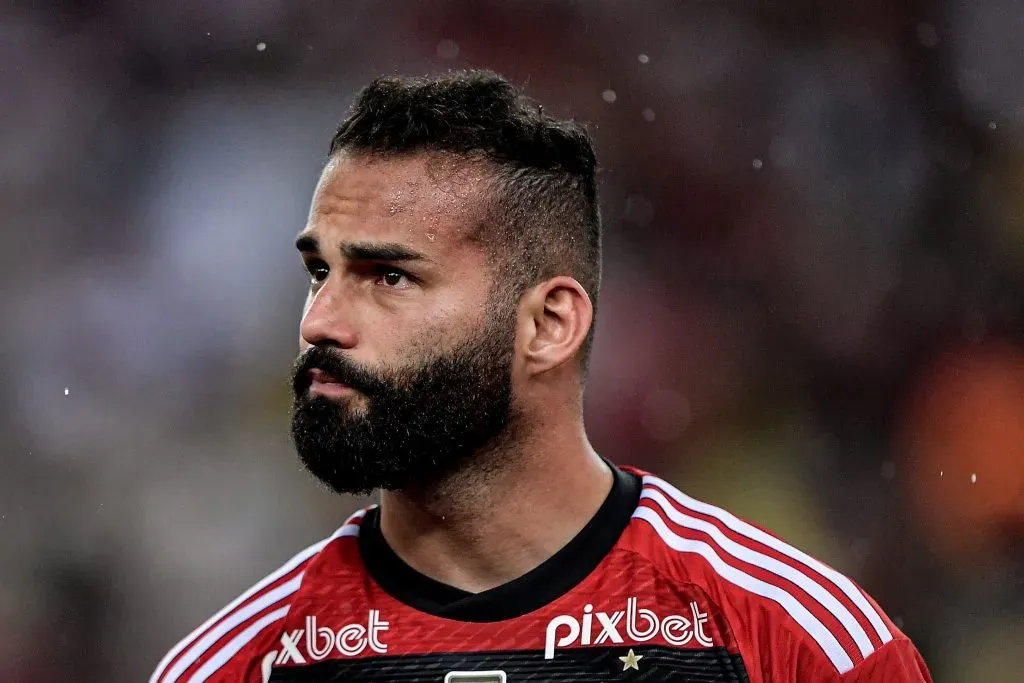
(335, 364)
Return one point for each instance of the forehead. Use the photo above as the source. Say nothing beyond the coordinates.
(421, 199)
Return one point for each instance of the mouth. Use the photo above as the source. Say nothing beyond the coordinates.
(325, 384)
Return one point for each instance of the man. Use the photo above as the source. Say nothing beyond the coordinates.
(453, 251)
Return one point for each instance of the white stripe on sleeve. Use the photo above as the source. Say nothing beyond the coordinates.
(743, 528)
(213, 635)
(347, 529)
(192, 637)
(828, 643)
(225, 654)
(770, 564)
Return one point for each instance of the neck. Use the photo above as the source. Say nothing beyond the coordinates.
(503, 515)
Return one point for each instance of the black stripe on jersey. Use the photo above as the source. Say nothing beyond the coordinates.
(578, 665)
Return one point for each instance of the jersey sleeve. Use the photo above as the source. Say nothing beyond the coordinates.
(242, 656)
(898, 661)
(233, 644)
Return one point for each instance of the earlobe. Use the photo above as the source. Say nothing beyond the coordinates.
(560, 314)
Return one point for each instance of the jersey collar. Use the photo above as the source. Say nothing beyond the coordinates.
(547, 582)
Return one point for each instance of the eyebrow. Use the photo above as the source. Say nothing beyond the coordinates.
(364, 251)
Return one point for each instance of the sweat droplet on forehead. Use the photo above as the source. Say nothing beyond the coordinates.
(401, 199)
(426, 197)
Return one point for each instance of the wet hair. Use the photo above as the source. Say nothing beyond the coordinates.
(542, 217)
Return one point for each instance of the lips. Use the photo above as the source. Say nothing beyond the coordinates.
(323, 383)
(325, 372)
(318, 376)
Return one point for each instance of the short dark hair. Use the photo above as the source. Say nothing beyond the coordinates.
(543, 218)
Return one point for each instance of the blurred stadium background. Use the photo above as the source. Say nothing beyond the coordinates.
(812, 308)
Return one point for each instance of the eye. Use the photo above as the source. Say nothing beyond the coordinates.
(318, 271)
(393, 278)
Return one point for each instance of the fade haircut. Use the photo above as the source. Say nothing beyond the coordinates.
(541, 217)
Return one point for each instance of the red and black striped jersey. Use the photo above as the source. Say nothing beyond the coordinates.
(657, 587)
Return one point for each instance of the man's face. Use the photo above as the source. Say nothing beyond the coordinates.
(405, 366)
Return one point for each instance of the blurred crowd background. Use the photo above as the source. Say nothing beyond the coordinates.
(812, 311)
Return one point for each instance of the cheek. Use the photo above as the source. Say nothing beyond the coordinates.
(426, 338)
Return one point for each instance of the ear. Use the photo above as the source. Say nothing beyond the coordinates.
(555, 317)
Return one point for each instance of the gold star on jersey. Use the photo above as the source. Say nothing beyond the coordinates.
(630, 661)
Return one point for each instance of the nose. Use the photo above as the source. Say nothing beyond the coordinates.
(325, 320)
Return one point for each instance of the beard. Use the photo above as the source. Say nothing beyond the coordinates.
(417, 424)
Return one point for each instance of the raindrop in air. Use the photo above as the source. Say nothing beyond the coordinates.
(609, 96)
(757, 164)
(974, 478)
(642, 58)
(66, 391)
(991, 125)
(260, 47)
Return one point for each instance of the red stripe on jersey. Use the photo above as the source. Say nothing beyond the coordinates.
(871, 619)
(836, 603)
(858, 626)
(729, 574)
(234, 639)
(203, 638)
(829, 620)
(274, 588)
